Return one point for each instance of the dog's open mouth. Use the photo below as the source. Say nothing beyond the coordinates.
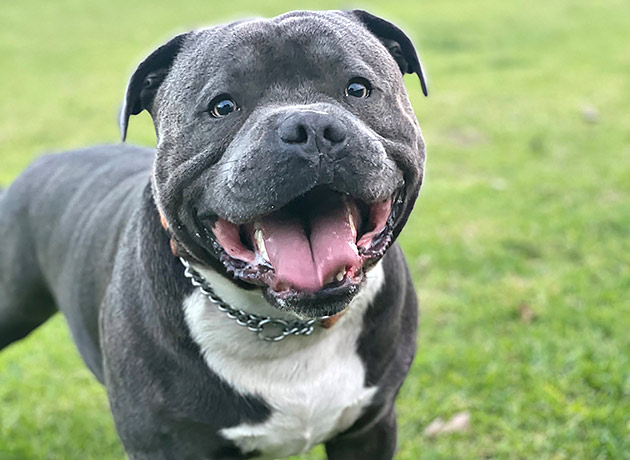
(319, 243)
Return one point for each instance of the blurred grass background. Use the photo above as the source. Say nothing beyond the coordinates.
(519, 244)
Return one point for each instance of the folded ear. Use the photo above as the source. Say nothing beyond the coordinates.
(397, 42)
(146, 80)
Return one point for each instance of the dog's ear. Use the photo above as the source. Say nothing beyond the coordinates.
(146, 80)
(397, 43)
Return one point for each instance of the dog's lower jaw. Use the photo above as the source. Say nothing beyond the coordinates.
(315, 386)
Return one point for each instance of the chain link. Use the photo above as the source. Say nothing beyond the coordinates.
(267, 328)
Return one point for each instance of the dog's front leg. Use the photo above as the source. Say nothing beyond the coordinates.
(375, 443)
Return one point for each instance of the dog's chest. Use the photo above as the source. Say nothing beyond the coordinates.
(313, 395)
(315, 386)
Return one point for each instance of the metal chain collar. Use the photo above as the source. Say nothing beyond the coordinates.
(267, 328)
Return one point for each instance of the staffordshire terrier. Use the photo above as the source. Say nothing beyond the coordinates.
(239, 291)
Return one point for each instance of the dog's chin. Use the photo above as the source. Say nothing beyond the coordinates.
(323, 303)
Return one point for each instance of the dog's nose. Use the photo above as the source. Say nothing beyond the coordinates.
(309, 127)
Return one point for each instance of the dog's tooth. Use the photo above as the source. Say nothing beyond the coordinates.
(352, 227)
(350, 219)
(260, 243)
(340, 275)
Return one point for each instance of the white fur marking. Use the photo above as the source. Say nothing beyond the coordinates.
(314, 385)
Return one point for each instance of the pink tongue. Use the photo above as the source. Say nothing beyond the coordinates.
(305, 264)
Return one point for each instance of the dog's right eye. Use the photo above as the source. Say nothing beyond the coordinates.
(358, 87)
(222, 106)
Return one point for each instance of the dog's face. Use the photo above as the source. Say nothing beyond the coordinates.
(287, 149)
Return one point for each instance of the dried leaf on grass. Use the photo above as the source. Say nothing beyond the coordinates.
(526, 313)
(458, 423)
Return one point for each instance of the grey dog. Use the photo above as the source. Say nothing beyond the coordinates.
(239, 291)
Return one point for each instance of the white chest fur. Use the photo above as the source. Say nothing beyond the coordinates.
(314, 385)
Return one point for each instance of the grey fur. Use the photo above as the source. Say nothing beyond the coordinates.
(262, 64)
(81, 232)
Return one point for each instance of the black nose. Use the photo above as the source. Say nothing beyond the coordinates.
(309, 128)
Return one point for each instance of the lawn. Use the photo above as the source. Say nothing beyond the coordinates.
(519, 244)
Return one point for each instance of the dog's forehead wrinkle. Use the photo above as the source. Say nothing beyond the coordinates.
(303, 43)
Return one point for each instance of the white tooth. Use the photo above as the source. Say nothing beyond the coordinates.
(340, 275)
(260, 242)
(351, 219)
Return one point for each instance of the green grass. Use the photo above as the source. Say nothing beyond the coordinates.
(525, 203)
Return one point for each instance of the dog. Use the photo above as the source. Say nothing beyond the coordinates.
(238, 291)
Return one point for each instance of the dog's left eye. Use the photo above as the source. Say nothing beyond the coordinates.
(358, 87)
(222, 106)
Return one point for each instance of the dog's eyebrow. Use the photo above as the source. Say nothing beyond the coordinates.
(205, 95)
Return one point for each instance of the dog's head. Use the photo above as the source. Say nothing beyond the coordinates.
(287, 149)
